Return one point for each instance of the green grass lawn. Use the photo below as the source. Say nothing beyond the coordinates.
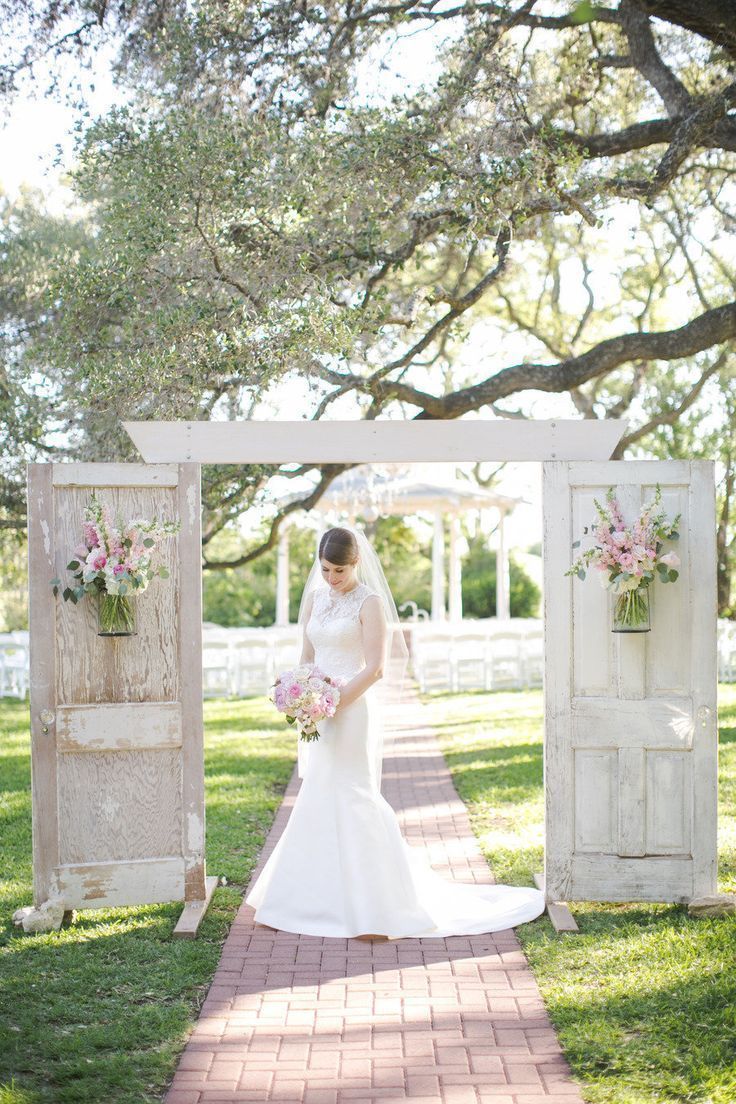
(644, 998)
(101, 1010)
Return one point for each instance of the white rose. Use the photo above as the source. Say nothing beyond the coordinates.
(671, 559)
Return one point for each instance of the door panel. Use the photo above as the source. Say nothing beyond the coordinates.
(116, 723)
(631, 725)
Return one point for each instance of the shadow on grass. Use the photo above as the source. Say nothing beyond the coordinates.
(120, 993)
(643, 1004)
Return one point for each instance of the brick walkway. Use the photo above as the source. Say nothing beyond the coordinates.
(309, 1020)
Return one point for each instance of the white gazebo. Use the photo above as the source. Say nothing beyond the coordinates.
(394, 490)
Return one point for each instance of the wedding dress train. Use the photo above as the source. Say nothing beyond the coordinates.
(341, 866)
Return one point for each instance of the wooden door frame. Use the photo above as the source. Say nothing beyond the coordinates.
(184, 479)
(559, 483)
(363, 441)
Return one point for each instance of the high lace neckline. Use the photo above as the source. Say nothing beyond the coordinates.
(342, 594)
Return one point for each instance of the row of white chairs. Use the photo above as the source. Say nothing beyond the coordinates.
(237, 663)
(485, 655)
(498, 658)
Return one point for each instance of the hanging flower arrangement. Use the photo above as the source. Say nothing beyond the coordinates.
(114, 562)
(630, 557)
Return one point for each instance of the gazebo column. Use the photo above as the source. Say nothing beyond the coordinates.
(282, 577)
(503, 589)
(438, 568)
(456, 587)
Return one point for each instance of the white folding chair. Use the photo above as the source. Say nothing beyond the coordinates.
(532, 655)
(468, 660)
(253, 667)
(14, 669)
(726, 651)
(216, 669)
(432, 660)
(504, 661)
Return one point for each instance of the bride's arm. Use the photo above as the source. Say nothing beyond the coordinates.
(373, 620)
(307, 646)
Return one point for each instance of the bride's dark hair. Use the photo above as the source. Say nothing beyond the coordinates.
(339, 546)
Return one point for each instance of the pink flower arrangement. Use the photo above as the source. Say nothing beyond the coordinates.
(114, 557)
(629, 556)
(306, 695)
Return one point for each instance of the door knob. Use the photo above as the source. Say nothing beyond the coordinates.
(47, 717)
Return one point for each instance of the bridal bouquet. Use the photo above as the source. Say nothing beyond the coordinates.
(306, 695)
(628, 557)
(114, 560)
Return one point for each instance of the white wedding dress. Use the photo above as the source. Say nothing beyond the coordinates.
(341, 866)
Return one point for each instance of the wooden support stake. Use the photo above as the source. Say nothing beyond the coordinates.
(558, 912)
(193, 912)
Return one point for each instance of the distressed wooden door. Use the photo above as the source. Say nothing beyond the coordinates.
(631, 738)
(116, 722)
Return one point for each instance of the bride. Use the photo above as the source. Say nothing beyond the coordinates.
(341, 866)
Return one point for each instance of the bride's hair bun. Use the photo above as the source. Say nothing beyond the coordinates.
(339, 546)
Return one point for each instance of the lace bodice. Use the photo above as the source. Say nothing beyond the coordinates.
(335, 631)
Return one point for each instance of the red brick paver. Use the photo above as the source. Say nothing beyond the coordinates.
(309, 1020)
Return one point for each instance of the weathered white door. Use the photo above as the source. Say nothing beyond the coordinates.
(116, 722)
(631, 738)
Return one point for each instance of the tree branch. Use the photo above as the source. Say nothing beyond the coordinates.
(671, 415)
(713, 327)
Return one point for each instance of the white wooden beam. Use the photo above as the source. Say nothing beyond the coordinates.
(359, 441)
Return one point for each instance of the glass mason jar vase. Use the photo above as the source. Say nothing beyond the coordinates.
(116, 615)
(631, 611)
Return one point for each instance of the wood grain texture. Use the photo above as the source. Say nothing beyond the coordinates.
(251, 442)
(109, 884)
(190, 658)
(630, 719)
(107, 726)
(119, 805)
(703, 612)
(557, 682)
(119, 796)
(94, 668)
(42, 657)
(115, 475)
